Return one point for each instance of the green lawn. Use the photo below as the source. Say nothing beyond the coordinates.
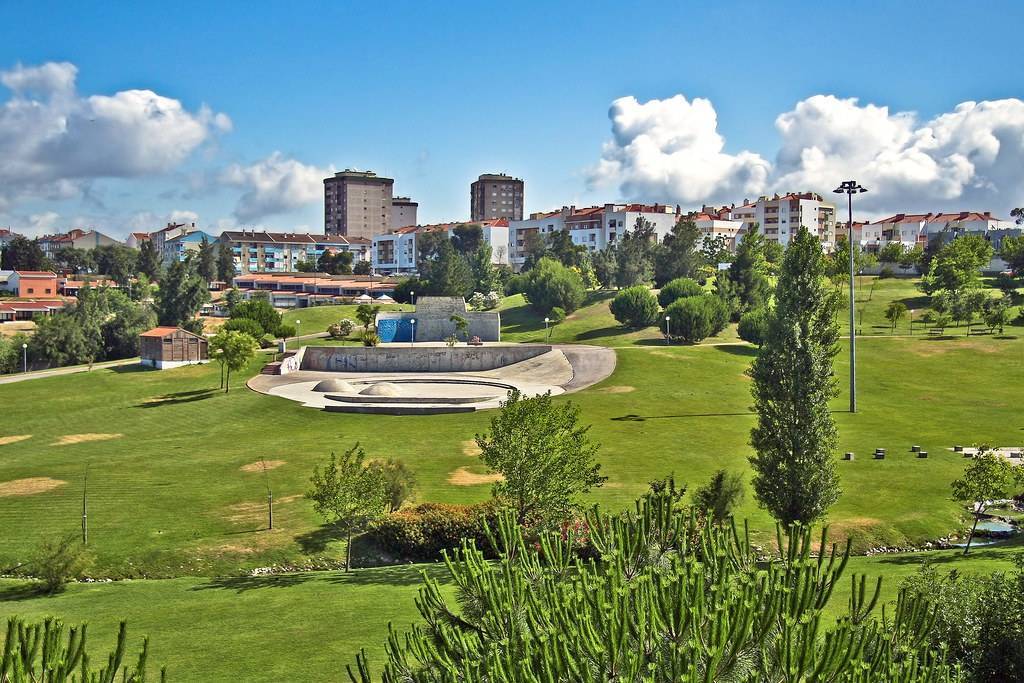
(319, 318)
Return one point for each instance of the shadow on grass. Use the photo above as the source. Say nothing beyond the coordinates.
(738, 350)
(644, 418)
(22, 591)
(136, 367)
(600, 333)
(316, 541)
(395, 575)
(179, 397)
(994, 552)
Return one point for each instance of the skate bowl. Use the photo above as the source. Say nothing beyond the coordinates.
(432, 379)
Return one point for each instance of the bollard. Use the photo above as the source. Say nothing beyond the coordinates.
(915, 449)
(922, 454)
(848, 456)
(958, 449)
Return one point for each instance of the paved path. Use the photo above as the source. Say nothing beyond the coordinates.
(40, 374)
(590, 364)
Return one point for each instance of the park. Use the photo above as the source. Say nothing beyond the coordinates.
(178, 473)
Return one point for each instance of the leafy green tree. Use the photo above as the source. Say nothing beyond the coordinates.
(677, 289)
(715, 250)
(63, 656)
(545, 458)
(745, 285)
(232, 298)
(334, 263)
(366, 314)
(694, 318)
(406, 287)
(753, 325)
(21, 253)
(680, 254)
(117, 262)
(448, 273)
(182, 293)
(467, 238)
(720, 496)
(234, 350)
(225, 262)
(664, 601)
(606, 267)
(892, 252)
(773, 252)
(362, 268)
(247, 325)
(63, 339)
(534, 249)
(207, 266)
(71, 259)
(486, 277)
(399, 481)
(549, 284)
(348, 494)
(1012, 251)
(795, 437)
(149, 263)
(260, 311)
(957, 265)
(997, 313)
(895, 312)
(57, 562)
(635, 255)
(635, 307)
(988, 477)
(560, 246)
(122, 323)
(965, 304)
(11, 358)
(461, 325)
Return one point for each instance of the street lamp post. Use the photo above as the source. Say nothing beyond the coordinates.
(24, 357)
(297, 321)
(668, 330)
(850, 188)
(547, 329)
(412, 297)
(413, 323)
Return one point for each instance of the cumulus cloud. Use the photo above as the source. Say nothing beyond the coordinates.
(274, 185)
(969, 158)
(53, 140)
(672, 148)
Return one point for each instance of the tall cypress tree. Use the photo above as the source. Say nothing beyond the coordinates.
(744, 286)
(795, 436)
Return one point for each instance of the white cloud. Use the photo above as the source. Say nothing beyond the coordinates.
(969, 158)
(53, 140)
(672, 149)
(274, 185)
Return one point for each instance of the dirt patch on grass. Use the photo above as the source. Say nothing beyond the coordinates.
(259, 465)
(15, 438)
(29, 487)
(844, 527)
(255, 512)
(470, 449)
(621, 389)
(70, 439)
(463, 477)
(938, 347)
(666, 354)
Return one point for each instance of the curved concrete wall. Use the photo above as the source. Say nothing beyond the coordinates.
(424, 359)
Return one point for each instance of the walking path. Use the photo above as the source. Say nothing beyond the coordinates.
(70, 370)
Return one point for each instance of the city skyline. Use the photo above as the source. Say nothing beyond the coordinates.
(236, 121)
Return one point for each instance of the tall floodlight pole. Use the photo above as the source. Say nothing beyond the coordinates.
(850, 188)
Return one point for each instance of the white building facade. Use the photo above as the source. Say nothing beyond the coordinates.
(917, 229)
(395, 253)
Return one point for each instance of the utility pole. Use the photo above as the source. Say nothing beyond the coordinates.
(270, 495)
(85, 507)
(850, 188)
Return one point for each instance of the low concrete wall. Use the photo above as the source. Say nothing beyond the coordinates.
(425, 359)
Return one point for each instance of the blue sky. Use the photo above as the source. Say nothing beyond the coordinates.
(433, 95)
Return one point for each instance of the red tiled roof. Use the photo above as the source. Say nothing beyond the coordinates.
(36, 273)
(937, 217)
(161, 332)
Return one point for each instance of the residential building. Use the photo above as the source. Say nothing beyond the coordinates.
(6, 236)
(357, 204)
(29, 283)
(395, 252)
(169, 232)
(172, 347)
(779, 217)
(496, 195)
(716, 223)
(77, 238)
(919, 228)
(12, 310)
(403, 212)
(257, 251)
(136, 239)
(594, 227)
(178, 248)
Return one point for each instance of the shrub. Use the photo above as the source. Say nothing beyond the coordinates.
(405, 287)
(369, 338)
(550, 284)
(887, 271)
(677, 289)
(516, 283)
(697, 317)
(753, 325)
(284, 331)
(259, 310)
(635, 307)
(422, 532)
(59, 561)
(398, 479)
(341, 329)
(556, 315)
(484, 302)
(246, 325)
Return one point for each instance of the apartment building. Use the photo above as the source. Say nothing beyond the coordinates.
(395, 252)
(919, 228)
(357, 204)
(169, 232)
(540, 223)
(77, 238)
(717, 223)
(496, 195)
(779, 217)
(403, 212)
(6, 236)
(257, 251)
(178, 248)
(135, 239)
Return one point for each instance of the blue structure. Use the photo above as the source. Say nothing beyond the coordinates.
(394, 330)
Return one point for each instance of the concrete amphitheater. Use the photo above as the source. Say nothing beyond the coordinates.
(431, 378)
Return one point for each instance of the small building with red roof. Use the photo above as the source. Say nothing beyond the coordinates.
(171, 347)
